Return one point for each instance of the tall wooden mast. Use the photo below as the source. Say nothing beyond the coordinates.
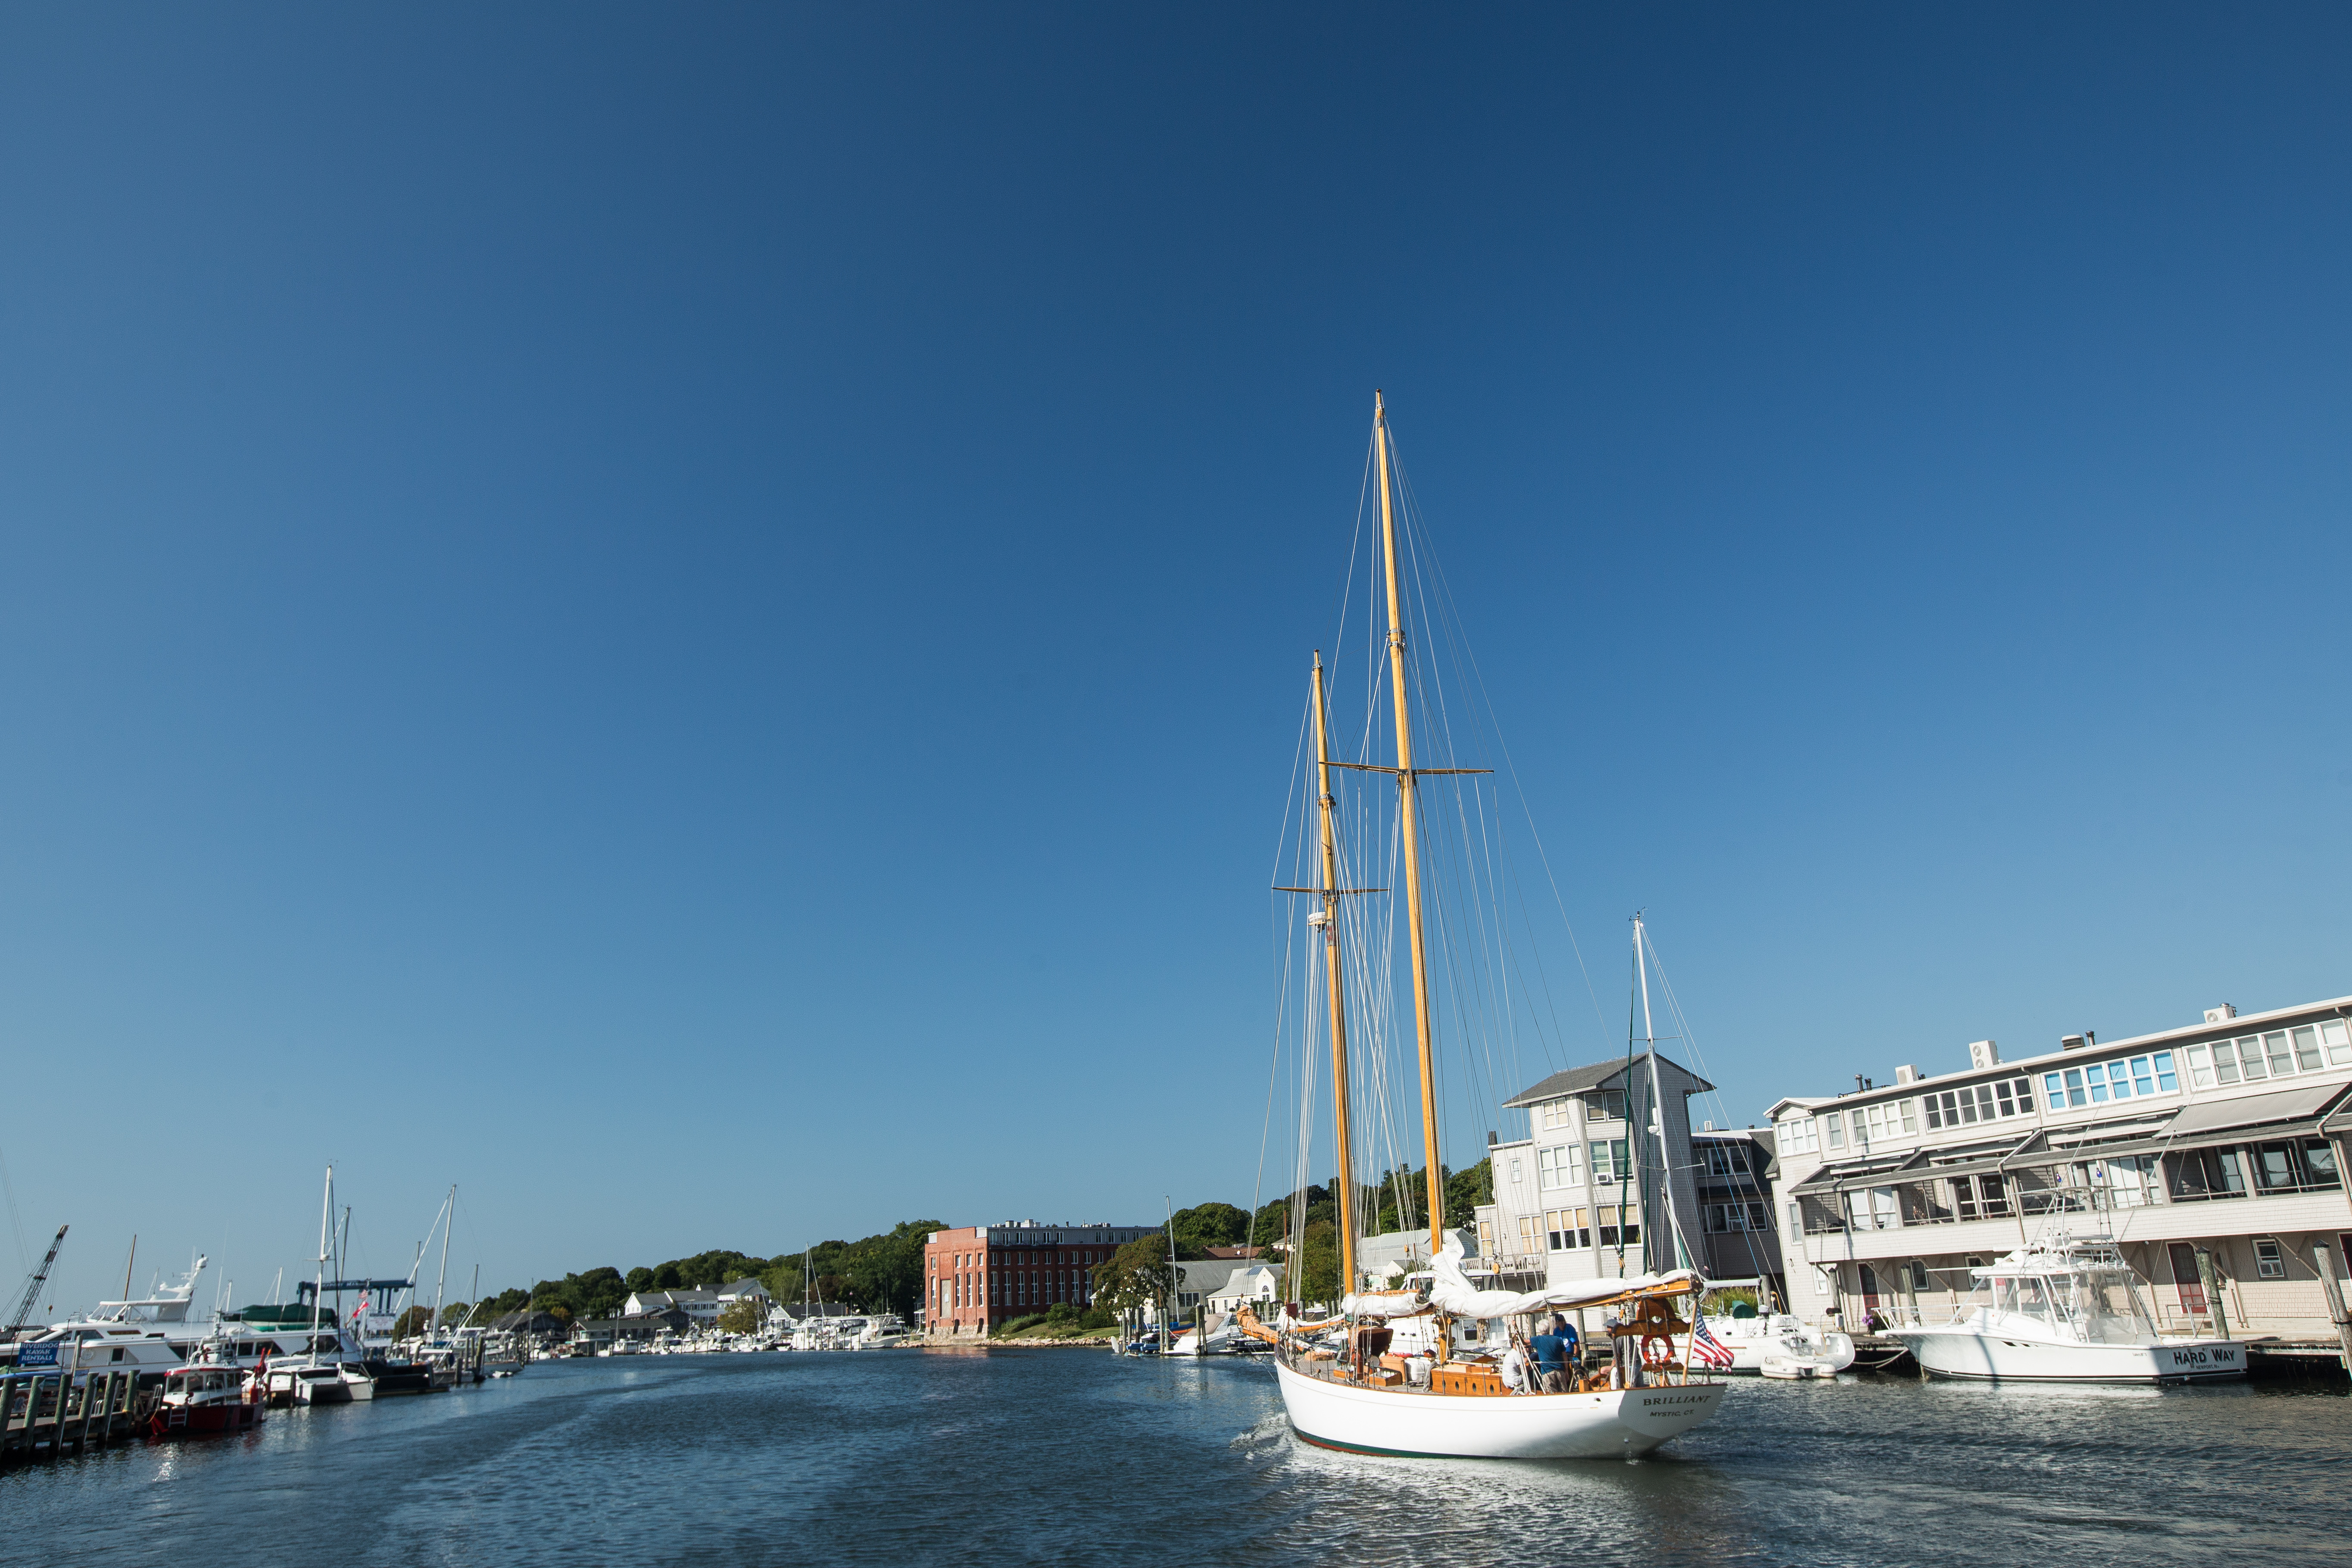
(1335, 979)
(1408, 817)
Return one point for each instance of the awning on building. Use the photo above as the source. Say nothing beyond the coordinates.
(2280, 1113)
(1859, 1174)
(2109, 1132)
(2299, 1104)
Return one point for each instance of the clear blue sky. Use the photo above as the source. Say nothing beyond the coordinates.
(693, 617)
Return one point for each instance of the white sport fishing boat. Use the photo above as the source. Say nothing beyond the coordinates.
(2065, 1311)
(1429, 1371)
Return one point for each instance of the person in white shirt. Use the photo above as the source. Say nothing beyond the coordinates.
(1515, 1368)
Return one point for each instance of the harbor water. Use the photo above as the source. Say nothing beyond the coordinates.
(1069, 1457)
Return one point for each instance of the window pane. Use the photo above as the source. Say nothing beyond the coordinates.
(1910, 1118)
(2001, 1098)
(2319, 1164)
(2076, 1093)
(2225, 1061)
(2306, 1047)
(2054, 1090)
(2338, 1038)
(2274, 1048)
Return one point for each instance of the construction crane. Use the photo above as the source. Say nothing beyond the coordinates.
(21, 1319)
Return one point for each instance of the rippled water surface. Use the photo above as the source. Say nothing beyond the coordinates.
(1018, 1457)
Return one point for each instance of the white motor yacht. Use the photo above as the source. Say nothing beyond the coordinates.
(2065, 1311)
(1780, 1337)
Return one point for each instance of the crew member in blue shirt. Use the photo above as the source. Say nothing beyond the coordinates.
(1556, 1349)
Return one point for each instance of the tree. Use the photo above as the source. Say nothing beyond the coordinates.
(1137, 1275)
(783, 1278)
(885, 1273)
(667, 1278)
(1204, 1226)
(741, 1317)
(1270, 1226)
(1318, 1274)
(1466, 1190)
(640, 1278)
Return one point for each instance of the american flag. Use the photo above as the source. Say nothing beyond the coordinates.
(1705, 1347)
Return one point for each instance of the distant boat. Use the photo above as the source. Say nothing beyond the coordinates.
(1780, 1337)
(207, 1399)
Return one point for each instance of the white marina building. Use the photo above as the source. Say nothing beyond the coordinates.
(1568, 1205)
(2212, 1154)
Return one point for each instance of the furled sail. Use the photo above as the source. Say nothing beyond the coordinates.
(1453, 1292)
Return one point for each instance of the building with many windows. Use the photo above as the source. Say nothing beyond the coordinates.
(1737, 1239)
(2210, 1153)
(1566, 1204)
(978, 1276)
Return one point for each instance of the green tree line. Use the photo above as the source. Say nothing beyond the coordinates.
(878, 1273)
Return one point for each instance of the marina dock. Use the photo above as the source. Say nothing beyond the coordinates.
(43, 1414)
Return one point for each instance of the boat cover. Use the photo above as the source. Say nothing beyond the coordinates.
(1453, 1292)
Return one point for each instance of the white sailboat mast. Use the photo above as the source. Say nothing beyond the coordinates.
(319, 1285)
(1657, 1128)
(448, 1226)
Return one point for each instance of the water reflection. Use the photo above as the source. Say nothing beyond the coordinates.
(1067, 1457)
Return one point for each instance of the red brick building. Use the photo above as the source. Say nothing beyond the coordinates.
(980, 1276)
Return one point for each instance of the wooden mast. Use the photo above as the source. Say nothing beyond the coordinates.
(1408, 817)
(1335, 979)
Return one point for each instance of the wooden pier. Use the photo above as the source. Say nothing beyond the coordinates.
(43, 1414)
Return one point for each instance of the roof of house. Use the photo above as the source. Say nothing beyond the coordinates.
(1243, 1280)
(1604, 1075)
(673, 1298)
(743, 1287)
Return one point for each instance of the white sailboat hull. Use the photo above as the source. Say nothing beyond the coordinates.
(1618, 1424)
(1960, 1354)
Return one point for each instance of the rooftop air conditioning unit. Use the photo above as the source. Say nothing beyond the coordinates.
(1983, 1054)
(2076, 1042)
(2220, 1014)
(1906, 1075)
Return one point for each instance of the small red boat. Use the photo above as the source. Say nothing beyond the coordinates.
(199, 1400)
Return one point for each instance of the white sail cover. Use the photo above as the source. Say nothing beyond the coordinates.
(1453, 1292)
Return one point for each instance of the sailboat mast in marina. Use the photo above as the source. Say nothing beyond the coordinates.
(1414, 1370)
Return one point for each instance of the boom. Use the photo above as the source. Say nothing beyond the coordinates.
(21, 1319)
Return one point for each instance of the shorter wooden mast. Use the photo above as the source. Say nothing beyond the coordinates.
(1334, 979)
